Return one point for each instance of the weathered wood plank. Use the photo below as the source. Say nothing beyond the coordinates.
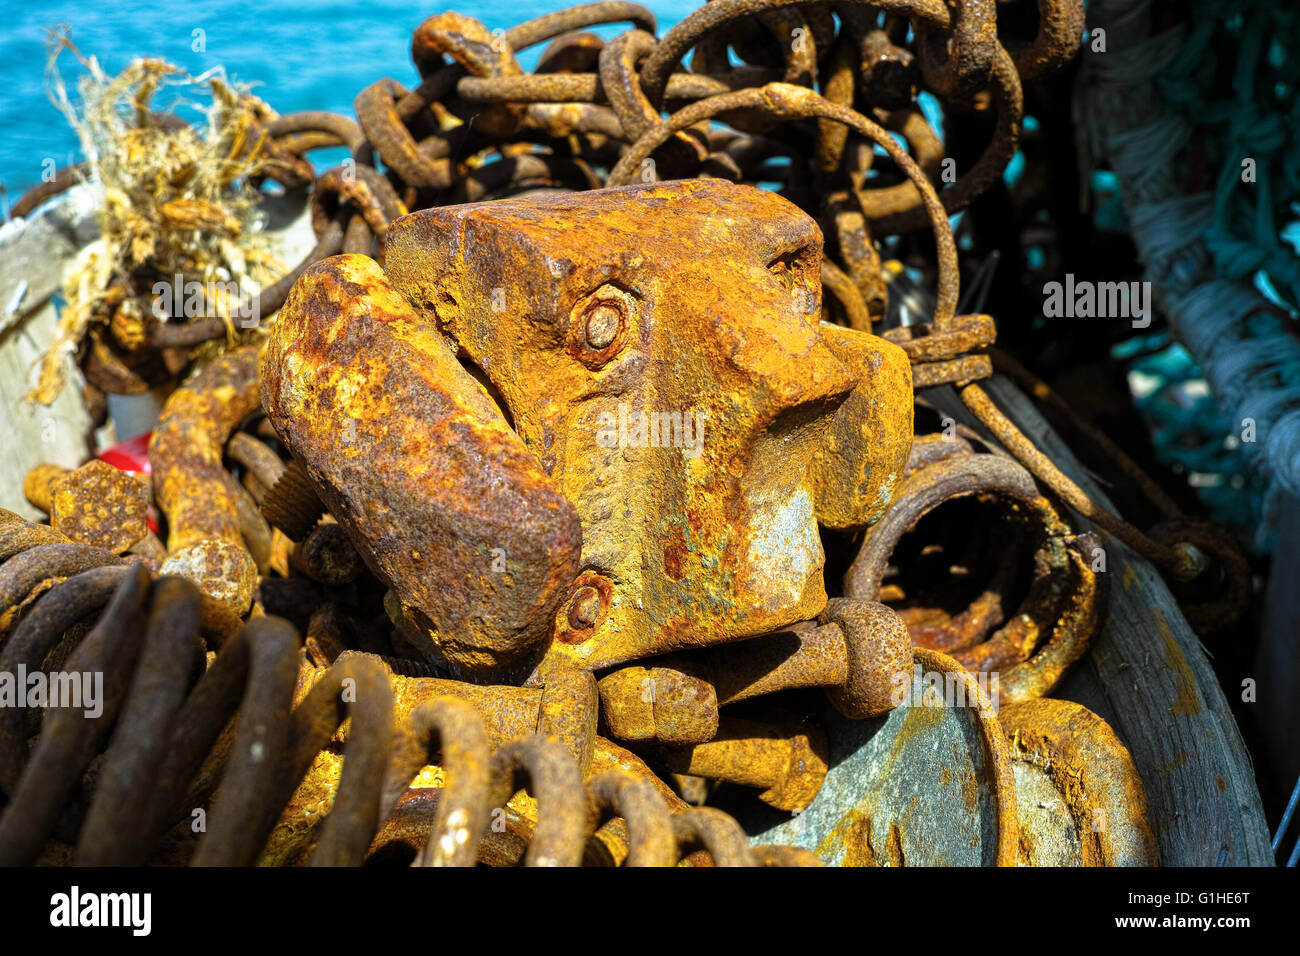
(1161, 696)
(35, 252)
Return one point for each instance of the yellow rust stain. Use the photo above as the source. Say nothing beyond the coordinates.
(1188, 700)
(970, 792)
(853, 833)
(916, 721)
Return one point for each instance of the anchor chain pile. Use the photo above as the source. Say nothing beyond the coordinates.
(397, 615)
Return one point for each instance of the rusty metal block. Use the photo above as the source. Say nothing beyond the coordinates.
(656, 349)
(1080, 799)
(411, 455)
(856, 473)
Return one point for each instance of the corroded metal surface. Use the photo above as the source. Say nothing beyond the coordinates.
(929, 784)
(413, 458)
(283, 797)
(1052, 627)
(857, 653)
(98, 504)
(557, 468)
(855, 471)
(786, 761)
(676, 411)
(196, 493)
(1080, 799)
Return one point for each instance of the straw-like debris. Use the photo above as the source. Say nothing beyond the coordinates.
(178, 200)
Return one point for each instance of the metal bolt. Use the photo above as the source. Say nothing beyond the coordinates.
(786, 760)
(603, 321)
(584, 607)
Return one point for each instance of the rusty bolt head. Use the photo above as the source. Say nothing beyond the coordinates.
(599, 325)
(603, 322)
(589, 602)
(584, 607)
(100, 505)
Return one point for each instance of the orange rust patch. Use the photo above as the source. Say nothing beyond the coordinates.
(1166, 769)
(853, 833)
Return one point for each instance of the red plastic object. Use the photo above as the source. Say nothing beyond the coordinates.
(132, 457)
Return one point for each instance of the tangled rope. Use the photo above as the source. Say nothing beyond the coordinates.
(1146, 102)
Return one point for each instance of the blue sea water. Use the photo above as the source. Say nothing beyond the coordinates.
(315, 55)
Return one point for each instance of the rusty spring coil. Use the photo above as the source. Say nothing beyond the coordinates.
(122, 790)
(1031, 646)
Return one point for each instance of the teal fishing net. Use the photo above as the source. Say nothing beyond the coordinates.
(1231, 86)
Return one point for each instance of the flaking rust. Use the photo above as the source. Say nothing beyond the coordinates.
(648, 360)
(410, 454)
(1098, 815)
(194, 490)
(589, 433)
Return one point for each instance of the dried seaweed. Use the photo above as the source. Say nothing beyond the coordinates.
(177, 199)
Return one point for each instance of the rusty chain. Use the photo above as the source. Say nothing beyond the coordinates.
(525, 774)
